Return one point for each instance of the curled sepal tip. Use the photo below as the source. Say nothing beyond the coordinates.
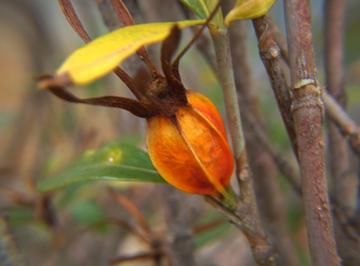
(248, 9)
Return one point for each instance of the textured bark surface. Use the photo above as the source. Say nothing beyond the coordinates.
(269, 199)
(307, 110)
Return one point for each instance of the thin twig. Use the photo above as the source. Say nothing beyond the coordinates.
(270, 203)
(247, 209)
(270, 55)
(226, 77)
(340, 117)
(307, 111)
(260, 246)
(279, 39)
(282, 164)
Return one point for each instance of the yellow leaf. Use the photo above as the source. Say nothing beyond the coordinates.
(102, 55)
(248, 9)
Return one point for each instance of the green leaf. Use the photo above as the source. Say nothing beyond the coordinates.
(102, 55)
(199, 7)
(115, 161)
(248, 9)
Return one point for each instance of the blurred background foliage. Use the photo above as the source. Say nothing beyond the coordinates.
(40, 134)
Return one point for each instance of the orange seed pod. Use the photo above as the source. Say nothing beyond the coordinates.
(194, 155)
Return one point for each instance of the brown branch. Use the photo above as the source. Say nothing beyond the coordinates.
(333, 109)
(260, 247)
(282, 164)
(270, 55)
(341, 118)
(247, 207)
(279, 39)
(307, 111)
(268, 194)
(348, 244)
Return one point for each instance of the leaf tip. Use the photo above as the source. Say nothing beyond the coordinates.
(48, 81)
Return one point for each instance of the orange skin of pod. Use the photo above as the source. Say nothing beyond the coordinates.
(204, 164)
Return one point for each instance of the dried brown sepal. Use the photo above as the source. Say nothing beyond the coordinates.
(74, 21)
(168, 48)
(47, 81)
(135, 107)
(129, 82)
(127, 20)
(142, 79)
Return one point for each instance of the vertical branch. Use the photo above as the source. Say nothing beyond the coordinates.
(271, 58)
(307, 111)
(226, 77)
(340, 168)
(270, 55)
(263, 254)
(269, 199)
(343, 180)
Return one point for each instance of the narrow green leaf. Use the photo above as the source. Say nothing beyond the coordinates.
(115, 161)
(199, 7)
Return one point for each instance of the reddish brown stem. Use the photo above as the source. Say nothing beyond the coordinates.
(333, 109)
(270, 55)
(307, 111)
(282, 164)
